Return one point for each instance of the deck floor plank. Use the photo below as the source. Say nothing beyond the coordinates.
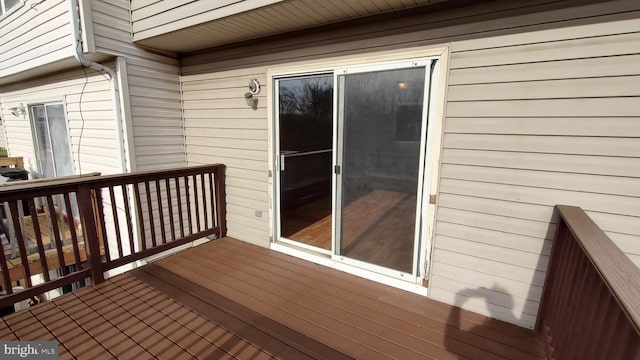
(354, 293)
(426, 330)
(230, 299)
(210, 332)
(370, 329)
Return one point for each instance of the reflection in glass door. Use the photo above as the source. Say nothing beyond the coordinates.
(381, 132)
(305, 141)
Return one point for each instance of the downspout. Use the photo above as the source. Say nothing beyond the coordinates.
(78, 54)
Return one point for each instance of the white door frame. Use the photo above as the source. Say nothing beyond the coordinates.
(432, 156)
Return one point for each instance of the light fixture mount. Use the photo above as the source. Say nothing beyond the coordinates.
(254, 87)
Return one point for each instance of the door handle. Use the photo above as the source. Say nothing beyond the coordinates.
(281, 162)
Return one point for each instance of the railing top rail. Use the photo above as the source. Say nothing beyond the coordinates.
(620, 274)
(59, 185)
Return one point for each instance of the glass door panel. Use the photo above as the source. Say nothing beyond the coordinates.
(380, 130)
(305, 150)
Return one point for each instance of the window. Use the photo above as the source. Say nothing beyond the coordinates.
(51, 140)
(7, 5)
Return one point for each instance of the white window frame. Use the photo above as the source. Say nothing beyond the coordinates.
(435, 127)
(36, 145)
(5, 11)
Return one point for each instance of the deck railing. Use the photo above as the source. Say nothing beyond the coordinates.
(590, 307)
(75, 229)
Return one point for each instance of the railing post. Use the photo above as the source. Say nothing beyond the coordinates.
(90, 232)
(221, 201)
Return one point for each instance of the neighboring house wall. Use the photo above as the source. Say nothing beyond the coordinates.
(90, 123)
(154, 97)
(36, 34)
(541, 109)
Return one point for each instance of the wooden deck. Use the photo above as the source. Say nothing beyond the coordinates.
(229, 299)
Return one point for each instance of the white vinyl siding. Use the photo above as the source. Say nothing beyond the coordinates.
(153, 87)
(34, 35)
(221, 128)
(541, 109)
(91, 129)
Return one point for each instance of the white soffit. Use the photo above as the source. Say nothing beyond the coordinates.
(277, 18)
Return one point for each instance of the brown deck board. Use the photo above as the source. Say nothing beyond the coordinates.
(229, 299)
(359, 326)
(365, 294)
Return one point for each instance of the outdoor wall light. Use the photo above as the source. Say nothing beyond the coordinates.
(254, 89)
(18, 111)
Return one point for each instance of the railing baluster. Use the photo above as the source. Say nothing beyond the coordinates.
(152, 225)
(212, 202)
(172, 226)
(221, 200)
(56, 235)
(127, 213)
(90, 231)
(116, 222)
(21, 239)
(179, 198)
(98, 204)
(72, 231)
(6, 278)
(196, 202)
(204, 201)
(188, 196)
(143, 235)
(40, 244)
(160, 212)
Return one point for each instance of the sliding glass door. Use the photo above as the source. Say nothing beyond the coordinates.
(381, 130)
(351, 149)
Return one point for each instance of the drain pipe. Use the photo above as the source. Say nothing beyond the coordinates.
(78, 54)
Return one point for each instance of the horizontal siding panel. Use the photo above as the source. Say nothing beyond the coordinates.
(625, 186)
(612, 204)
(262, 205)
(613, 66)
(248, 174)
(578, 126)
(617, 223)
(517, 210)
(226, 123)
(221, 133)
(255, 194)
(545, 144)
(239, 113)
(549, 89)
(584, 164)
(605, 107)
(611, 45)
(222, 85)
(206, 158)
(584, 30)
(236, 100)
(536, 230)
(487, 281)
(494, 253)
(458, 228)
(497, 269)
(497, 298)
(255, 155)
(161, 152)
(479, 305)
(229, 143)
